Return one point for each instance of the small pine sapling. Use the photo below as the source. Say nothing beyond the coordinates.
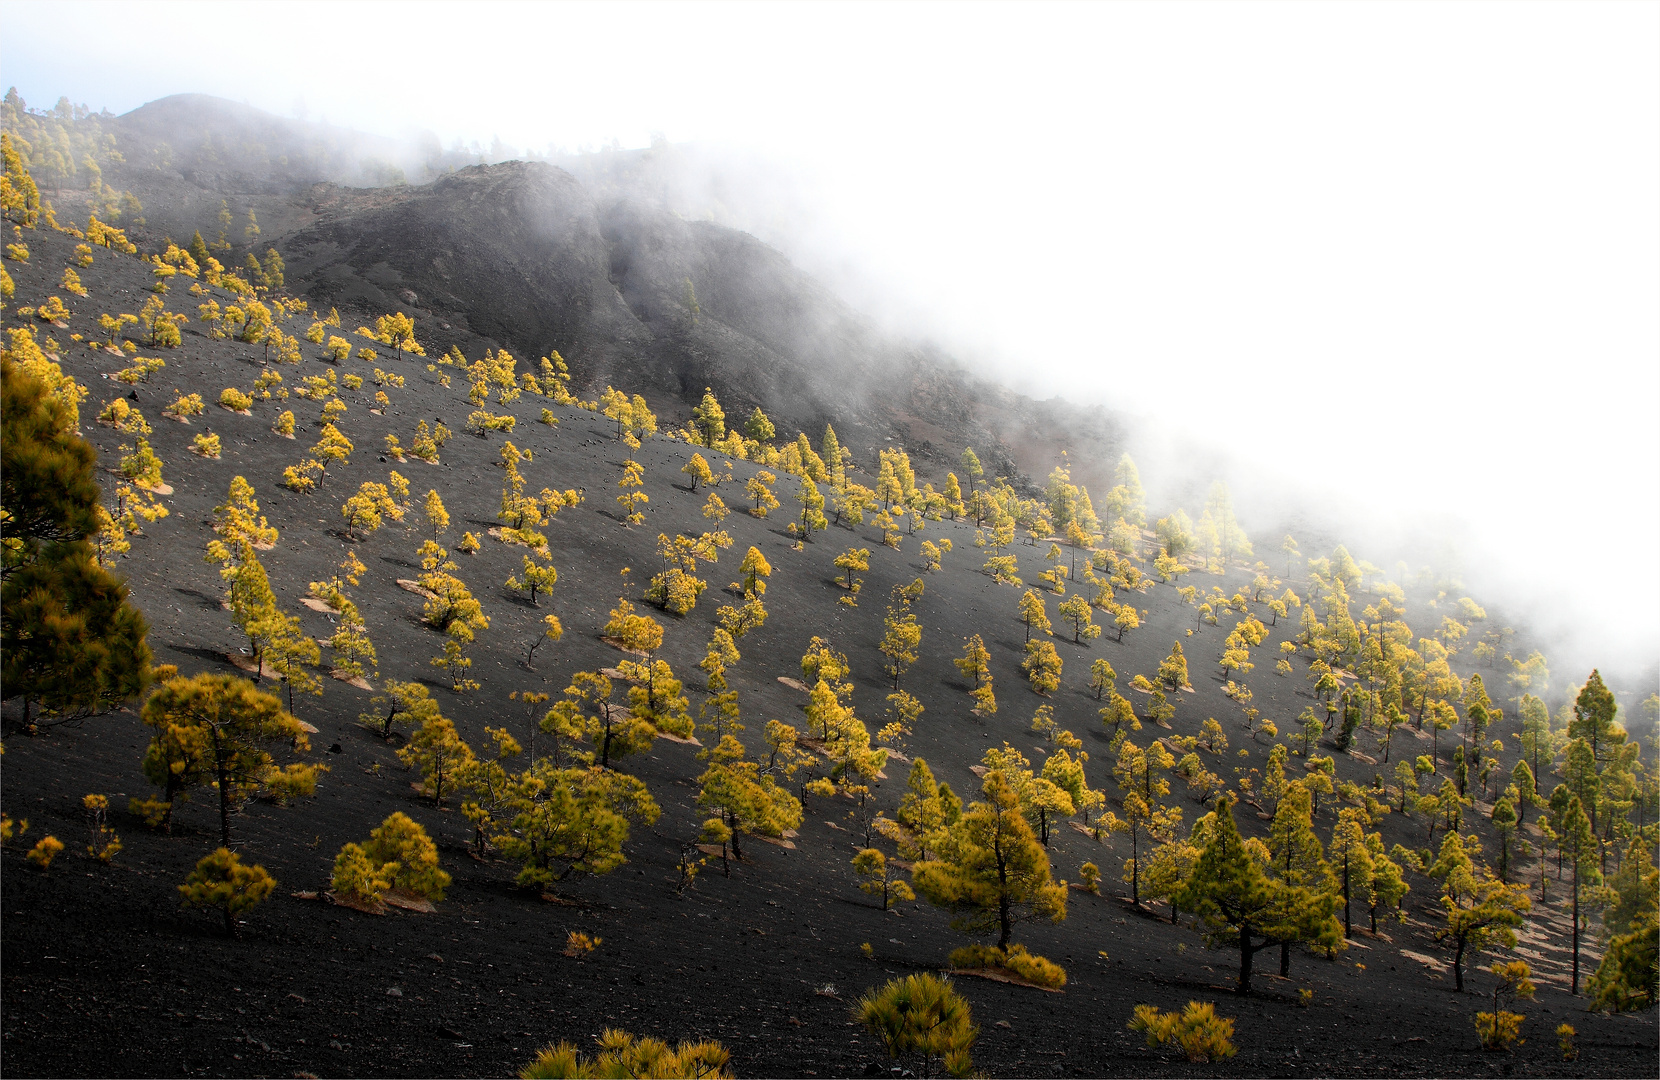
(1499, 1028)
(44, 851)
(1197, 1031)
(921, 1014)
(879, 877)
(220, 880)
(104, 844)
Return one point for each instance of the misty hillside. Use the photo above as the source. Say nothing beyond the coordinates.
(523, 256)
(445, 619)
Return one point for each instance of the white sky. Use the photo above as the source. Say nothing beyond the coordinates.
(1410, 251)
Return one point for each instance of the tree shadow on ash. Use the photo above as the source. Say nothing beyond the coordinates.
(202, 599)
(205, 655)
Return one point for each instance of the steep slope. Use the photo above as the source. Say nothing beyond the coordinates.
(523, 256)
(99, 960)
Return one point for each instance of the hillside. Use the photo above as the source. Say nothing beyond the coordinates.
(767, 959)
(524, 256)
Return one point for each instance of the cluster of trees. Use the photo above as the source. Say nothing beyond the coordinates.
(569, 811)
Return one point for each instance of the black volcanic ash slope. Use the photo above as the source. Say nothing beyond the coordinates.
(100, 964)
(523, 256)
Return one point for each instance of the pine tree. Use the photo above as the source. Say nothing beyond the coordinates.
(254, 605)
(1173, 669)
(633, 480)
(990, 871)
(1146, 823)
(573, 821)
(437, 518)
(760, 495)
(755, 570)
(292, 655)
(830, 450)
(698, 470)
(758, 427)
(812, 508)
(440, 754)
(923, 812)
(748, 800)
(1077, 611)
(220, 880)
(920, 1014)
(710, 418)
(1351, 861)
(1042, 666)
(72, 641)
(405, 702)
(1231, 894)
(535, 577)
(1577, 841)
(199, 250)
(872, 865)
(213, 729)
(1594, 713)
(1304, 877)
(900, 643)
(1481, 910)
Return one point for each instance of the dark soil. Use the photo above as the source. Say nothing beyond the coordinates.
(105, 973)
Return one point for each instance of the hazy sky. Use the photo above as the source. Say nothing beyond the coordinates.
(1406, 253)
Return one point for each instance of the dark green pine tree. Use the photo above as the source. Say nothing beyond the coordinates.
(72, 643)
(1230, 893)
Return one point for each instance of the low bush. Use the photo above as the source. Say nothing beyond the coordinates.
(1015, 960)
(921, 1014)
(622, 1054)
(1197, 1030)
(45, 851)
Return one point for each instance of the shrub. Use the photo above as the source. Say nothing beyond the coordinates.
(1565, 1042)
(622, 1054)
(578, 945)
(235, 400)
(675, 591)
(1628, 977)
(45, 851)
(1092, 877)
(358, 878)
(105, 844)
(920, 1014)
(285, 423)
(186, 406)
(302, 477)
(1015, 960)
(1498, 1030)
(206, 445)
(1197, 1030)
(400, 840)
(292, 782)
(481, 422)
(352, 382)
(221, 880)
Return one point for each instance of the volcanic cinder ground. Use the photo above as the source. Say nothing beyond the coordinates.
(105, 973)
